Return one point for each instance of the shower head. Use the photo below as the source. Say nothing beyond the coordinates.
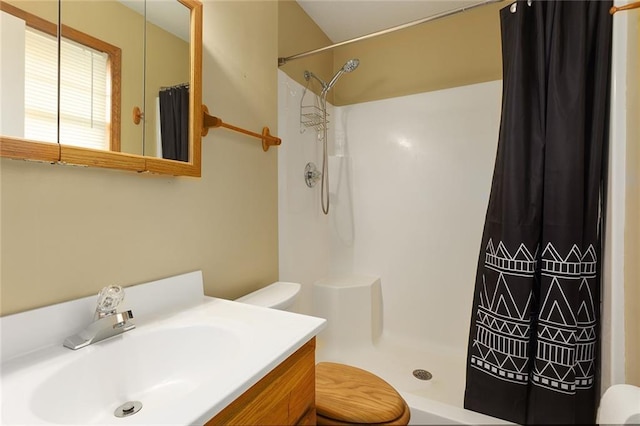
(349, 66)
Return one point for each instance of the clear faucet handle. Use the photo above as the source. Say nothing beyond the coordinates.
(109, 298)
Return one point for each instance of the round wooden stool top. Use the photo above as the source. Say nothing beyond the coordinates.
(352, 395)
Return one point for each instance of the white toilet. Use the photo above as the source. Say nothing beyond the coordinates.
(279, 295)
(619, 405)
(344, 394)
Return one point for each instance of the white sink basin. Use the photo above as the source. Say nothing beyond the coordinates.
(183, 366)
(155, 367)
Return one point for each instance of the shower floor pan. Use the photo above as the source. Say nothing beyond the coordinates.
(436, 401)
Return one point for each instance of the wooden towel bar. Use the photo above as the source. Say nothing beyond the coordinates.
(209, 121)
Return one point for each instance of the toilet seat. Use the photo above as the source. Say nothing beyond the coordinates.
(350, 395)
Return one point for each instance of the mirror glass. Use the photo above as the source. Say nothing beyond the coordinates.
(70, 89)
(101, 75)
(167, 74)
(29, 57)
(115, 56)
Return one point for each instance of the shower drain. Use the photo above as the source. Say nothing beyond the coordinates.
(422, 374)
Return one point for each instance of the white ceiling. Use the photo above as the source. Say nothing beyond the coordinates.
(345, 19)
(170, 15)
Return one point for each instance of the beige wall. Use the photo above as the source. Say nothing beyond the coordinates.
(632, 225)
(67, 231)
(450, 52)
(455, 51)
(298, 33)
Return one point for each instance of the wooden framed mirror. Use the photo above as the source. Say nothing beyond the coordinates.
(122, 70)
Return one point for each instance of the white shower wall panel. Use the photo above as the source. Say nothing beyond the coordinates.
(412, 198)
(410, 180)
(303, 230)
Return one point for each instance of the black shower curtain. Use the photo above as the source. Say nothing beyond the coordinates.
(174, 122)
(534, 335)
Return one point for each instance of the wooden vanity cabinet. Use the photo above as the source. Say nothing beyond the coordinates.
(285, 396)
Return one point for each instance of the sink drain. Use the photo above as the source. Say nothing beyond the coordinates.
(128, 408)
(422, 374)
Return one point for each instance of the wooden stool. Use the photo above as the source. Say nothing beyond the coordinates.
(347, 395)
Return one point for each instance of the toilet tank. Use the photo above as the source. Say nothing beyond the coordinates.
(279, 295)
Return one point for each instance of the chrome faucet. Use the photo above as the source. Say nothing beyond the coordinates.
(107, 322)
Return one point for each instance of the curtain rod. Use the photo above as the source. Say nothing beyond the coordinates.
(174, 87)
(282, 61)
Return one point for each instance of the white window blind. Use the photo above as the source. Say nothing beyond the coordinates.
(40, 86)
(84, 92)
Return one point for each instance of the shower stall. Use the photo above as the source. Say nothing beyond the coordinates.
(408, 197)
(409, 181)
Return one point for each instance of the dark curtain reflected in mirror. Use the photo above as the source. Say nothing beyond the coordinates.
(174, 122)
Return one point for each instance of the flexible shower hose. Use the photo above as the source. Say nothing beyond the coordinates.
(324, 185)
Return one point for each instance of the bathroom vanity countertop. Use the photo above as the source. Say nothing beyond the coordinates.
(184, 366)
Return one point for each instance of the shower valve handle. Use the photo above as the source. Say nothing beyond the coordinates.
(311, 175)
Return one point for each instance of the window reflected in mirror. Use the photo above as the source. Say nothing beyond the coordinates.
(98, 93)
(89, 92)
(89, 82)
